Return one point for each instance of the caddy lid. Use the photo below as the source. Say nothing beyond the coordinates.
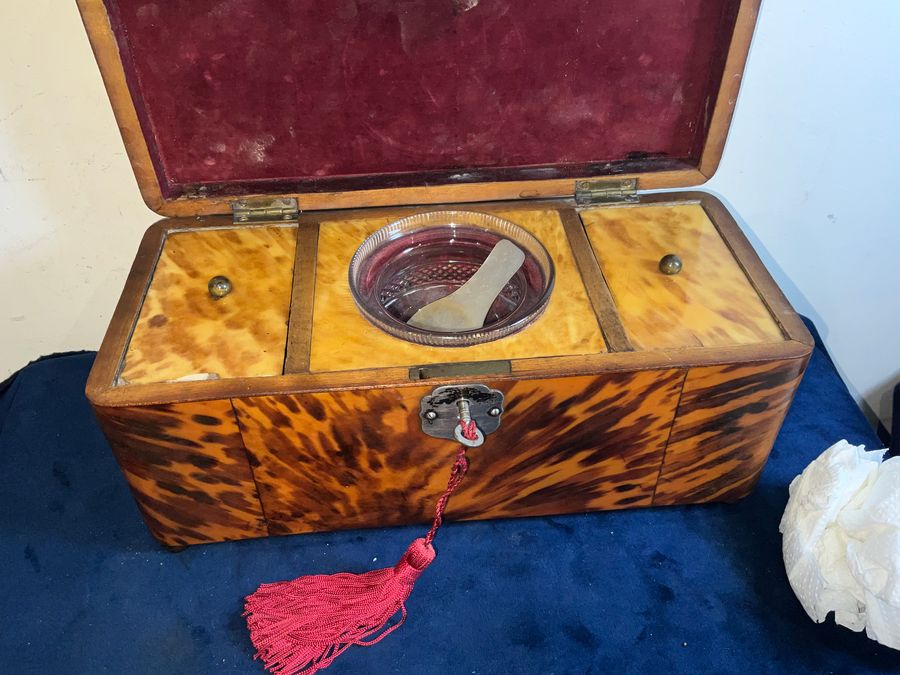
(369, 102)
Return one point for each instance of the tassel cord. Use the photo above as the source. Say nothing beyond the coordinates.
(457, 473)
(299, 627)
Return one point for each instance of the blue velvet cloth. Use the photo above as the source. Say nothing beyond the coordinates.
(693, 589)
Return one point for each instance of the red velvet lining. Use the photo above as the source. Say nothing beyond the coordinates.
(240, 96)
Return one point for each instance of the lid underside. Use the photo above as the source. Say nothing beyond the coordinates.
(238, 97)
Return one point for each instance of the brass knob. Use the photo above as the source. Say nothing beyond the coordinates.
(670, 264)
(219, 287)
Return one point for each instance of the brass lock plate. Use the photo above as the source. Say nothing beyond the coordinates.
(440, 411)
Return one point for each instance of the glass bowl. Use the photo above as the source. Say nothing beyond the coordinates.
(416, 260)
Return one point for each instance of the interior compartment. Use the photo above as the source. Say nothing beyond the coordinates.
(342, 339)
(709, 303)
(183, 333)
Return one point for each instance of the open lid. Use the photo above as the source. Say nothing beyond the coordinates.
(370, 102)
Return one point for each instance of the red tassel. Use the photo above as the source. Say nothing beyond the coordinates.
(301, 626)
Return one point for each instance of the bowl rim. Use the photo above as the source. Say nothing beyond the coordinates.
(401, 330)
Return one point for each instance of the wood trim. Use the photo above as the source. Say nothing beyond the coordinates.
(112, 350)
(106, 51)
(103, 42)
(432, 194)
(299, 337)
(595, 284)
(723, 110)
(378, 378)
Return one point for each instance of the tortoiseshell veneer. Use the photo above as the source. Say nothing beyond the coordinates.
(221, 439)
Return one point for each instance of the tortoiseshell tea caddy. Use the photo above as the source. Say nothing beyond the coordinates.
(241, 389)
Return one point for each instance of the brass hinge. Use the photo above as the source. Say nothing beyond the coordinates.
(265, 210)
(606, 191)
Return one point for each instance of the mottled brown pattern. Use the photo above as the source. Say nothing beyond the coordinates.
(183, 332)
(573, 444)
(342, 339)
(187, 469)
(726, 424)
(359, 459)
(710, 303)
(579, 432)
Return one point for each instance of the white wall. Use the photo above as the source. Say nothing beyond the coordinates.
(810, 170)
(70, 213)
